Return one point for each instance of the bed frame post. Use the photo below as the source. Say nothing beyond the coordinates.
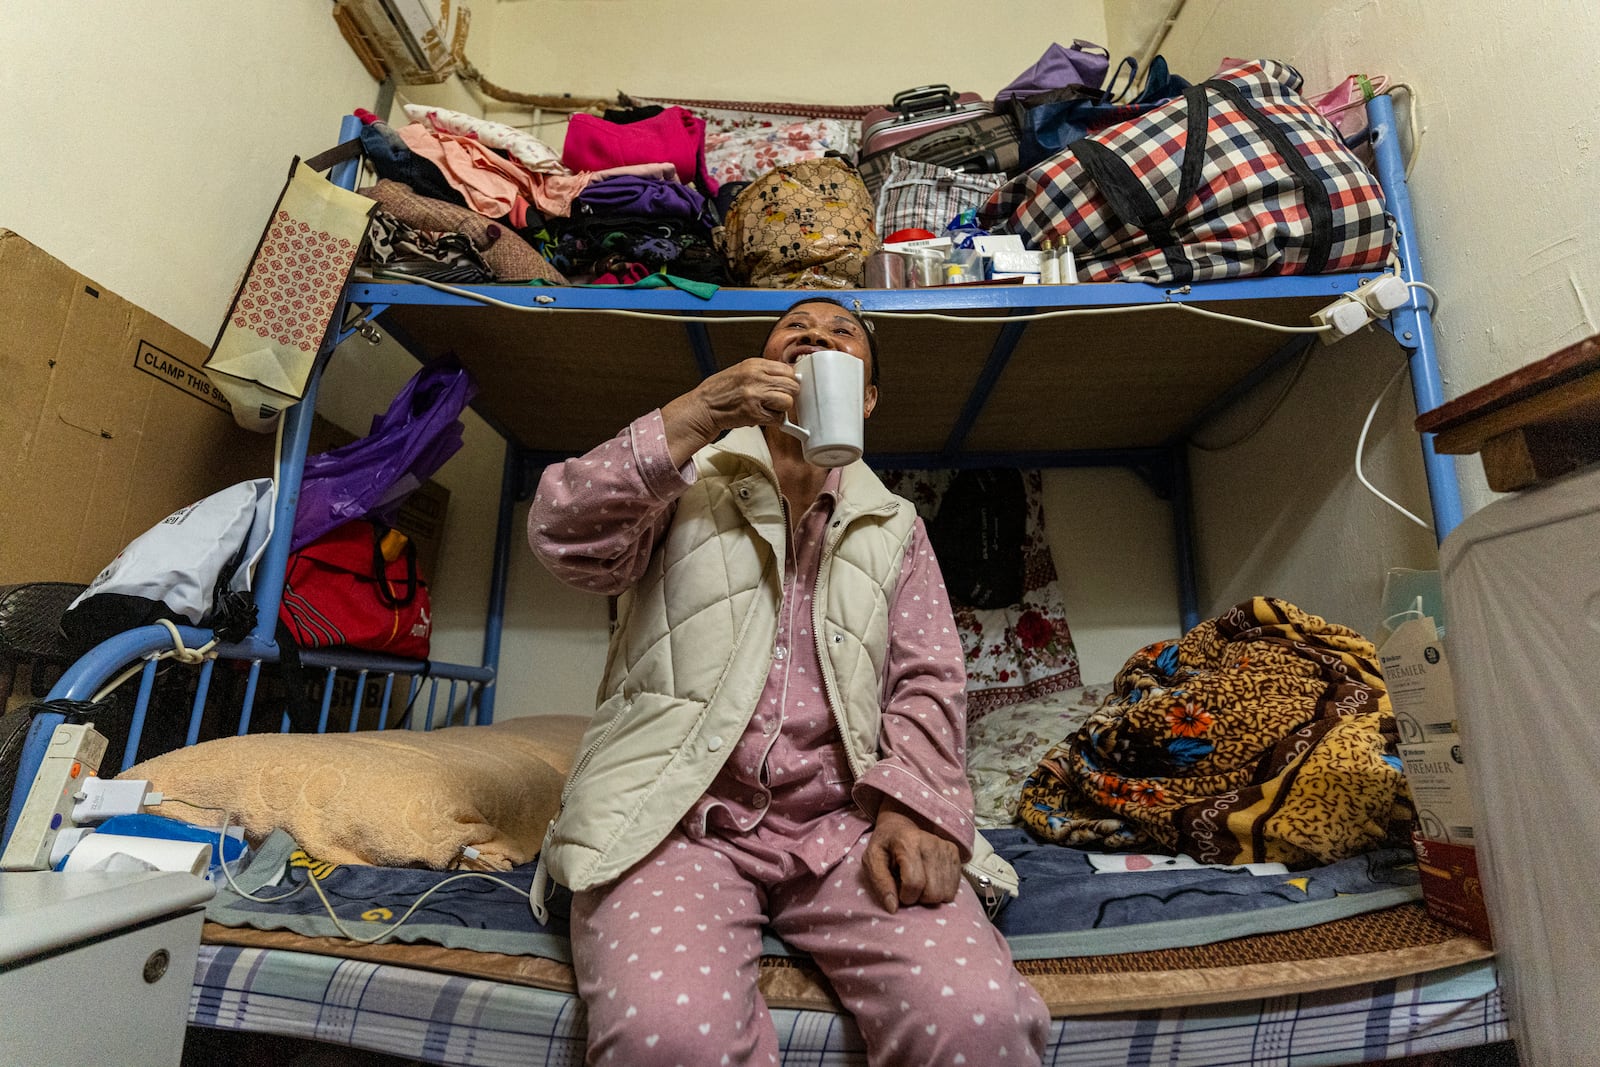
(510, 484)
(1412, 324)
(1181, 500)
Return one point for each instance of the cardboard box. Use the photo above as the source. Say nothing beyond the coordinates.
(1417, 676)
(106, 422)
(1451, 889)
(1437, 775)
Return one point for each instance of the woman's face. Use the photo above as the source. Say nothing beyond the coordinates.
(809, 327)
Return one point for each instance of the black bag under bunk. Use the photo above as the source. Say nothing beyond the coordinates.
(977, 537)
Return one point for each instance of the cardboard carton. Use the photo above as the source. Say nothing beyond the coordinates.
(1417, 676)
(1436, 773)
(1451, 889)
(107, 424)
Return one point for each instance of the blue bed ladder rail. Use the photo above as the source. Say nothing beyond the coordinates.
(1412, 323)
(349, 683)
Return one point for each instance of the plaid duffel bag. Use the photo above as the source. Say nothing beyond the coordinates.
(1239, 176)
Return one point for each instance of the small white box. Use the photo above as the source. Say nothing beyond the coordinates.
(1016, 264)
(999, 244)
(1436, 772)
(1417, 674)
(938, 244)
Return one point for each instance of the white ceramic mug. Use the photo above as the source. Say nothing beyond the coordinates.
(828, 413)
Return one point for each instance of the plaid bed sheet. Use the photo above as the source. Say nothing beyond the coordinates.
(442, 1018)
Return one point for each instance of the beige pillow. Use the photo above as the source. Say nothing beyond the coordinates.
(394, 798)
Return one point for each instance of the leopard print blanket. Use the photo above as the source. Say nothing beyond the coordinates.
(1263, 735)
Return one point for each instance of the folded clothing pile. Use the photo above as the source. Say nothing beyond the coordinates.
(449, 202)
(645, 207)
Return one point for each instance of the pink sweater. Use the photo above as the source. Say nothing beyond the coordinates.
(786, 789)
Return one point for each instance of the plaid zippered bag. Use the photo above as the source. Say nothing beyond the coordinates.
(927, 196)
(1238, 177)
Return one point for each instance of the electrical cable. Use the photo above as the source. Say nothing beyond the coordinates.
(179, 651)
(222, 838)
(969, 319)
(386, 932)
(1433, 295)
(1411, 123)
(1361, 444)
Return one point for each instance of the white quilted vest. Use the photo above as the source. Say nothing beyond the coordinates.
(693, 645)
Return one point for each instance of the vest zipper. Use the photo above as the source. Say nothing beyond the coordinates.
(818, 599)
(588, 754)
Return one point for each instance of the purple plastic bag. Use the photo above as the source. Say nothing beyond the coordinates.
(370, 477)
(1085, 63)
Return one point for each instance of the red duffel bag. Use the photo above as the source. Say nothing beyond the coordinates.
(357, 585)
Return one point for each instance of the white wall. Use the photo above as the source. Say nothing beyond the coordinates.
(825, 51)
(144, 145)
(1503, 194)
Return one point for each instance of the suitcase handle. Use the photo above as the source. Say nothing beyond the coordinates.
(923, 99)
(975, 159)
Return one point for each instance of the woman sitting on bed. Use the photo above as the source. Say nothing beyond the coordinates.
(766, 603)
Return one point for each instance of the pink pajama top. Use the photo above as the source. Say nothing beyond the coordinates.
(785, 792)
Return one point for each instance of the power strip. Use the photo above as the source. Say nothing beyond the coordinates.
(74, 754)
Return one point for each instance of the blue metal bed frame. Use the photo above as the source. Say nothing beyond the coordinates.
(469, 690)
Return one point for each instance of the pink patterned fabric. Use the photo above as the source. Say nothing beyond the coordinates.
(1016, 653)
(740, 151)
(293, 283)
(743, 141)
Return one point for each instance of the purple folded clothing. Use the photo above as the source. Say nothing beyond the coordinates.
(627, 194)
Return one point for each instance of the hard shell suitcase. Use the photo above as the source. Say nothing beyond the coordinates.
(915, 112)
(986, 143)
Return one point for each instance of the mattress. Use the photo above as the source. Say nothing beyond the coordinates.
(443, 1018)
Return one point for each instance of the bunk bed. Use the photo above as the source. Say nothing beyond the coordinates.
(1026, 376)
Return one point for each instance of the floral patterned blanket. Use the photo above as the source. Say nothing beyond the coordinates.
(1263, 735)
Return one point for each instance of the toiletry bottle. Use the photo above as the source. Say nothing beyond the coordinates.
(1047, 264)
(1066, 270)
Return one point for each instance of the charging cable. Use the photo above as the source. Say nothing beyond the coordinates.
(179, 651)
(1361, 444)
(467, 852)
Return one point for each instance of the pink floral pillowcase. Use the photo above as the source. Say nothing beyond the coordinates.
(1017, 653)
(743, 145)
(740, 149)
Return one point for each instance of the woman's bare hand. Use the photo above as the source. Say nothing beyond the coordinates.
(754, 392)
(906, 864)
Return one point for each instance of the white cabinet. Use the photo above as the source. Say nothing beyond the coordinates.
(1522, 595)
(96, 967)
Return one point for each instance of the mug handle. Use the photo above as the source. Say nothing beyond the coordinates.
(794, 429)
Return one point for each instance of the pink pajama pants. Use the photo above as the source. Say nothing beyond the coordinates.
(667, 957)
